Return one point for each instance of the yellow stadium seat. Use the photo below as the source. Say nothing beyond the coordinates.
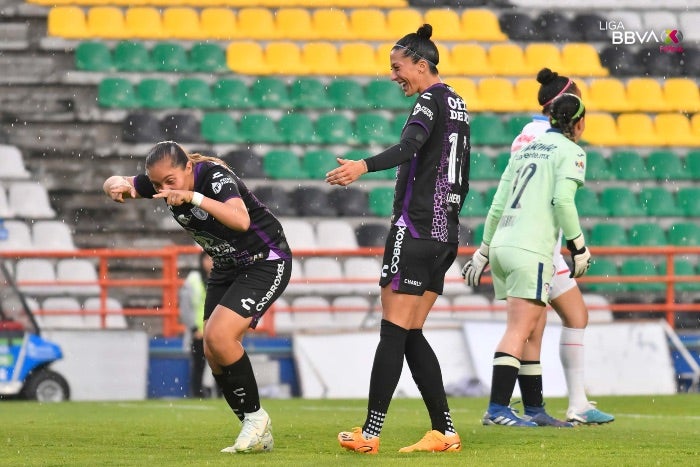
(370, 24)
(358, 58)
(681, 94)
(637, 129)
(183, 23)
(256, 23)
(144, 23)
(247, 58)
(675, 130)
(402, 21)
(582, 60)
(482, 25)
(470, 59)
(526, 90)
(284, 57)
(539, 55)
(106, 22)
(321, 58)
(383, 55)
(498, 95)
(467, 89)
(68, 22)
(219, 23)
(294, 24)
(332, 24)
(601, 129)
(608, 95)
(446, 24)
(695, 126)
(508, 60)
(445, 65)
(646, 95)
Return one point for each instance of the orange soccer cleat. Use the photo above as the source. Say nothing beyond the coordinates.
(434, 441)
(355, 441)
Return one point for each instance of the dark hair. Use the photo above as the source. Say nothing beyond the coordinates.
(551, 85)
(419, 46)
(178, 156)
(567, 109)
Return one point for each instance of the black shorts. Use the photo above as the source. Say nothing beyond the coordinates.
(414, 265)
(248, 290)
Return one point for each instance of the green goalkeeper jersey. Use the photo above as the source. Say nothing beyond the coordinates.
(535, 196)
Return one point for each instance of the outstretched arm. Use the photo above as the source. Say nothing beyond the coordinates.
(119, 187)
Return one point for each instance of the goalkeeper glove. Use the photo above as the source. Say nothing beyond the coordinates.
(580, 256)
(471, 272)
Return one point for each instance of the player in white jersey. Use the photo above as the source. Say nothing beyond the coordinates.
(564, 294)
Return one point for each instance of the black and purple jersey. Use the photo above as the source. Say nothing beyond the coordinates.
(432, 185)
(263, 240)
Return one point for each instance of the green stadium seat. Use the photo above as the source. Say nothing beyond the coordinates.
(259, 129)
(346, 93)
(318, 163)
(684, 234)
(597, 167)
(474, 205)
(489, 193)
(681, 267)
(515, 125)
(334, 128)
(381, 201)
(482, 167)
(604, 234)
(117, 93)
(356, 155)
(640, 267)
(232, 93)
(132, 56)
(621, 202)
(658, 201)
(588, 205)
(397, 126)
(206, 57)
(477, 234)
(689, 201)
(170, 56)
(628, 165)
(282, 164)
(603, 267)
(647, 234)
(309, 93)
(692, 164)
(489, 130)
(219, 127)
(383, 94)
(666, 165)
(270, 93)
(93, 56)
(297, 128)
(501, 162)
(373, 128)
(195, 93)
(154, 93)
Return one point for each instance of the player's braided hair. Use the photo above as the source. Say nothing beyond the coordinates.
(418, 46)
(178, 156)
(567, 109)
(552, 84)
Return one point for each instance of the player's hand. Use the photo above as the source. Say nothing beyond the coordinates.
(119, 188)
(175, 197)
(580, 256)
(348, 172)
(472, 271)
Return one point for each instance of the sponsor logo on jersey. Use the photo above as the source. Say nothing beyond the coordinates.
(217, 175)
(216, 186)
(271, 292)
(199, 213)
(423, 109)
(454, 198)
(458, 109)
(183, 219)
(246, 303)
(580, 164)
(426, 96)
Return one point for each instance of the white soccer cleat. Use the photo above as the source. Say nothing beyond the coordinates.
(255, 435)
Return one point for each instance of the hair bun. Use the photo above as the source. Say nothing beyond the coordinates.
(546, 76)
(425, 31)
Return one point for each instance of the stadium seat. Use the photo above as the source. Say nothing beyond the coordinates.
(246, 58)
(681, 95)
(182, 23)
(481, 24)
(293, 23)
(256, 23)
(132, 56)
(515, 123)
(661, 64)
(232, 93)
(308, 93)
(359, 58)
(284, 57)
(62, 313)
(381, 201)
(93, 56)
(371, 234)
(658, 20)
(581, 59)
(141, 127)
(321, 58)
(67, 21)
(206, 57)
(270, 93)
(466, 88)
(588, 205)
(349, 201)
(245, 163)
(488, 129)
(114, 319)
(386, 95)
(658, 201)
(691, 61)
(666, 165)
(519, 26)
(621, 202)
(116, 93)
(194, 93)
(6, 212)
(692, 164)
(681, 267)
(335, 234)
(373, 128)
(219, 23)
(155, 93)
(597, 167)
(605, 234)
(688, 198)
(601, 129)
(297, 128)
(447, 25)
(220, 128)
(313, 201)
(501, 162)
(400, 21)
(280, 203)
(684, 234)
(12, 163)
(368, 24)
(474, 205)
(259, 129)
(334, 128)
(283, 164)
(52, 235)
(332, 24)
(476, 231)
(621, 61)
(508, 59)
(181, 127)
(77, 270)
(351, 311)
(556, 27)
(347, 94)
(144, 22)
(637, 129)
(498, 95)
(469, 59)
(106, 22)
(482, 167)
(628, 165)
(602, 267)
(541, 54)
(674, 129)
(646, 95)
(362, 273)
(19, 236)
(640, 267)
(608, 95)
(647, 234)
(317, 163)
(170, 56)
(588, 24)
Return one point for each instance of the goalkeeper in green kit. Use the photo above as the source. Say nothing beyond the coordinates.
(534, 201)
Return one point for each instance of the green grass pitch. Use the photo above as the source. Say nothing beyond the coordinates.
(649, 430)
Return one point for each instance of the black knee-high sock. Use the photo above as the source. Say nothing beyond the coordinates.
(530, 381)
(386, 371)
(239, 387)
(426, 372)
(505, 374)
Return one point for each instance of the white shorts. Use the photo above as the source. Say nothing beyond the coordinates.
(561, 282)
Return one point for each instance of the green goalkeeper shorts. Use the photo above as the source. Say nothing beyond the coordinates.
(520, 273)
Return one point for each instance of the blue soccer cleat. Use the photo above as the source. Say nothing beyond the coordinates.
(503, 415)
(542, 418)
(592, 416)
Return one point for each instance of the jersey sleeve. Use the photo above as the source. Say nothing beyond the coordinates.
(572, 164)
(220, 184)
(143, 186)
(425, 112)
